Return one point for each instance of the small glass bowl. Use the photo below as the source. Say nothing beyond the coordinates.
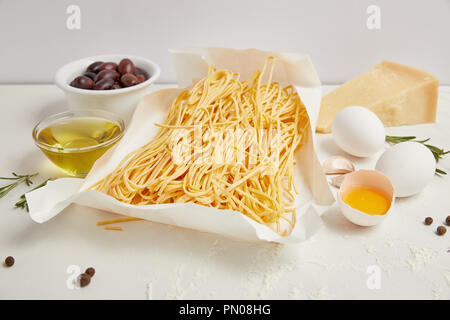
(77, 162)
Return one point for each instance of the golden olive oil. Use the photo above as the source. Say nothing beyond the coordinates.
(74, 144)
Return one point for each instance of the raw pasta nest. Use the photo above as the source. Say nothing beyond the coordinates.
(225, 143)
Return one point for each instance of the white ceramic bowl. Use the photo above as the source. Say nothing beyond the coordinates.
(120, 101)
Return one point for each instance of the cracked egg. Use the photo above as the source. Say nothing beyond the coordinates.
(366, 197)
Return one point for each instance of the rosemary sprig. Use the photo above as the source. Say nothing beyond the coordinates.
(438, 153)
(18, 180)
(396, 139)
(22, 203)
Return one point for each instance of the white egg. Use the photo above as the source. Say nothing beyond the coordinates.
(358, 131)
(409, 165)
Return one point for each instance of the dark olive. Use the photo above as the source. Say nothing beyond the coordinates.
(126, 66)
(104, 84)
(107, 74)
(140, 78)
(108, 66)
(116, 85)
(93, 67)
(139, 71)
(82, 82)
(128, 80)
(91, 75)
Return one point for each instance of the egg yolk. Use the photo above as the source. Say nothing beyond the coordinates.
(368, 200)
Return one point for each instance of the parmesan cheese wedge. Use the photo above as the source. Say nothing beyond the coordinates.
(398, 94)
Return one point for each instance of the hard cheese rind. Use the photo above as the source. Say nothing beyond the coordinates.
(398, 94)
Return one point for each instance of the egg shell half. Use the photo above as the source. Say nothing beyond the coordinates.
(409, 165)
(365, 178)
(358, 131)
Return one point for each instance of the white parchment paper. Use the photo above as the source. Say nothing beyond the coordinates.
(190, 65)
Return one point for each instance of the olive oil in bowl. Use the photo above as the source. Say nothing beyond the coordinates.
(73, 141)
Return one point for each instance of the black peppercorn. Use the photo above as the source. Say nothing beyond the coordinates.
(441, 230)
(9, 261)
(447, 220)
(428, 220)
(90, 271)
(85, 279)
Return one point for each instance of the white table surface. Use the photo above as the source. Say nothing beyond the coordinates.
(154, 261)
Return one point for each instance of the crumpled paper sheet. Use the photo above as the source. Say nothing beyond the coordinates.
(192, 64)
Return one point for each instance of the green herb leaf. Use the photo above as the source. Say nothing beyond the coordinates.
(18, 180)
(394, 139)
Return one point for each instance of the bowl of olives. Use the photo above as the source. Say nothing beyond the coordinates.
(113, 82)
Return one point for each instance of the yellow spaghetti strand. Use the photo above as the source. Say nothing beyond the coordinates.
(113, 228)
(102, 223)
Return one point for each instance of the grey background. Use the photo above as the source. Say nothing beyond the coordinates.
(34, 40)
